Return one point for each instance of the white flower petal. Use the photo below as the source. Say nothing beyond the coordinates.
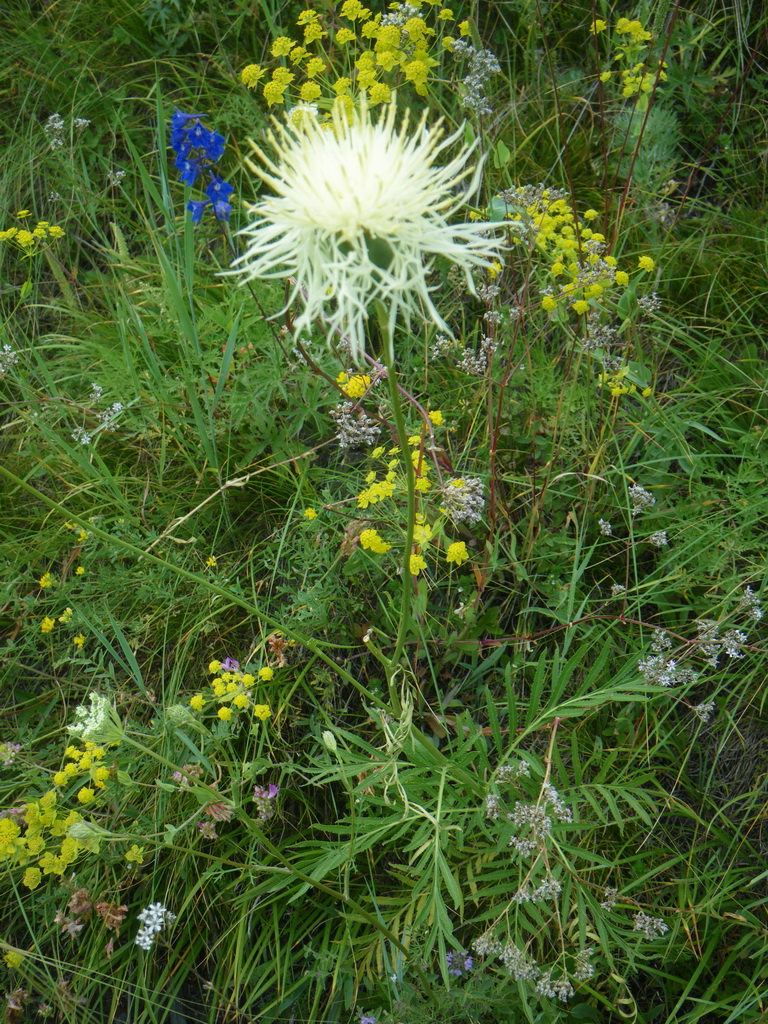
(359, 214)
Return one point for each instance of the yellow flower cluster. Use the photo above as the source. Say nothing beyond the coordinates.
(391, 484)
(639, 76)
(374, 56)
(580, 271)
(354, 386)
(620, 383)
(231, 691)
(30, 241)
(44, 840)
(88, 759)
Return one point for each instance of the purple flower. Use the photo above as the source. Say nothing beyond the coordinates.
(196, 207)
(222, 209)
(215, 147)
(218, 188)
(366, 1018)
(459, 963)
(264, 795)
(196, 147)
(188, 169)
(229, 664)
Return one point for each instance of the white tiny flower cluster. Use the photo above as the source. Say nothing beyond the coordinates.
(153, 919)
(561, 989)
(662, 670)
(98, 723)
(8, 359)
(441, 346)
(108, 416)
(641, 499)
(605, 528)
(584, 969)
(535, 821)
(482, 65)
(354, 428)
(652, 927)
(549, 889)
(519, 964)
(81, 435)
(609, 899)
(476, 363)
(711, 644)
(463, 501)
(114, 178)
(749, 603)
(523, 967)
(659, 539)
(55, 129)
(704, 711)
(649, 303)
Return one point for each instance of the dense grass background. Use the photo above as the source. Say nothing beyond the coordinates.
(381, 857)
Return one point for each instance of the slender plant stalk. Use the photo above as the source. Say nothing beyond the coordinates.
(410, 484)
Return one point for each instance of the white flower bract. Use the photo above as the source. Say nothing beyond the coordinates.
(360, 211)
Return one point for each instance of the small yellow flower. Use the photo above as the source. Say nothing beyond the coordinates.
(356, 386)
(463, 28)
(66, 615)
(240, 701)
(647, 392)
(605, 76)
(214, 667)
(82, 535)
(437, 418)
(32, 878)
(344, 35)
(86, 795)
(371, 541)
(224, 714)
(60, 779)
(309, 513)
(309, 91)
(78, 640)
(45, 580)
(548, 303)
(80, 571)
(197, 702)
(71, 769)
(645, 263)
(590, 214)
(416, 564)
(47, 625)
(262, 711)
(282, 46)
(12, 958)
(580, 306)
(598, 25)
(622, 278)
(135, 855)
(251, 75)
(266, 673)
(314, 67)
(23, 213)
(457, 552)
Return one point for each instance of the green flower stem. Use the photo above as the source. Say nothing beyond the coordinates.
(410, 483)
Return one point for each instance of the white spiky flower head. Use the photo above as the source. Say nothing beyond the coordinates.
(360, 210)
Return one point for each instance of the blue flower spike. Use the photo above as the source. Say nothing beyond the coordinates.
(196, 148)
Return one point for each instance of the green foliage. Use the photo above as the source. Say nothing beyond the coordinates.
(547, 755)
